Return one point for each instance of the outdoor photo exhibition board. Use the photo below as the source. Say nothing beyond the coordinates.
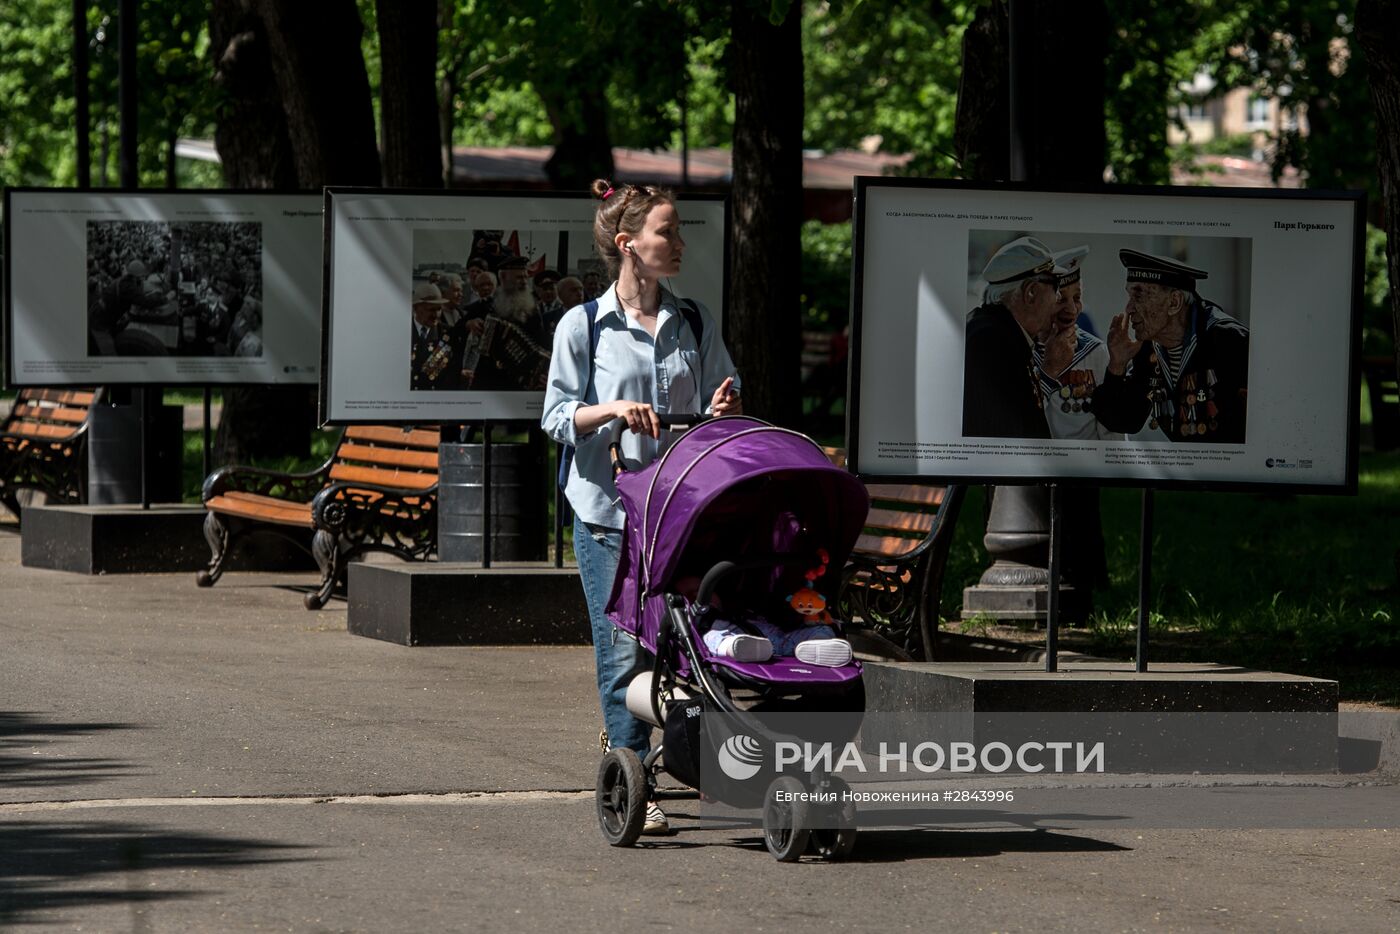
(190, 288)
(1232, 362)
(440, 308)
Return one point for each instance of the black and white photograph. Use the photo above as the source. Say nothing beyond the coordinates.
(183, 289)
(441, 307)
(1171, 336)
(1100, 338)
(171, 288)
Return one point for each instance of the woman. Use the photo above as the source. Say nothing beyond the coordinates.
(647, 360)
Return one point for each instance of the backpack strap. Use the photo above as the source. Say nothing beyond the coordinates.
(595, 331)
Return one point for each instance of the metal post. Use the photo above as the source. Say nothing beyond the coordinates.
(1052, 606)
(1144, 578)
(207, 420)
(126, 93)
(558, 511)
(80, 93)
(486, 494)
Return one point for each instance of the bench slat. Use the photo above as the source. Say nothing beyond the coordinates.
(396, 457)
(900, 521)
(50, 413)
(412, 480)
(886, 545)
(908, 493)
(386, 434)
(264, 508)
(78, 397)
(39, 430)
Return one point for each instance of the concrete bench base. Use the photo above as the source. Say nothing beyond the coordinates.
(127, 539)
(1179, 718)
(458, 604)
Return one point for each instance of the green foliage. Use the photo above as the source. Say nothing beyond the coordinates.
(175, 94)
(1301, 53)
(1377, 324)
(1297, 583)
(887, 69)
(826, 276)
(1150, 55)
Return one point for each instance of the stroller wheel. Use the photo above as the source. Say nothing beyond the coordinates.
(831, 844)
(621, 797)
(786, 821)
(837, 836)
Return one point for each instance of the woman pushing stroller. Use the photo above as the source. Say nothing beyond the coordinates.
(632, 354)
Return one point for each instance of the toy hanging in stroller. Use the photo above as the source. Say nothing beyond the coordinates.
(733, 518)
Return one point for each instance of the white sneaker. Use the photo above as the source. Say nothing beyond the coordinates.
(832, 653)
(656, 822)
(745, 648)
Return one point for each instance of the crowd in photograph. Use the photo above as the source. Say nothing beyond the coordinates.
(192, 289)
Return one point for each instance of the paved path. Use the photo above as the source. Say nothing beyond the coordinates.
(174, 759)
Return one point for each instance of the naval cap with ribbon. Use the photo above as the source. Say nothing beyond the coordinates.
(1160, 270)
(1072, 261)
(1022, 258)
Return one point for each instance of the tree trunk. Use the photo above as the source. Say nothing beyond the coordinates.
(272, 137)
(765, 322)
(324, 89)
(251, 137)
(981, 133)
(409, 132)
(1066, 141)
(576, 102)
(1377, 25)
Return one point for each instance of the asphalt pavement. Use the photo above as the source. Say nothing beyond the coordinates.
(178, 759)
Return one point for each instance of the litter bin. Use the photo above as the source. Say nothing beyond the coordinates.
(518, 515)
(114, 454)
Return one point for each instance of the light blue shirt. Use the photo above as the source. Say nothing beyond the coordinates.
(669, 371)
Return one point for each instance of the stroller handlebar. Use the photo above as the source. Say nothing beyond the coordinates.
(617, 425)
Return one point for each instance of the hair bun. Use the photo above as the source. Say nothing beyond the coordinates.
(600, 188)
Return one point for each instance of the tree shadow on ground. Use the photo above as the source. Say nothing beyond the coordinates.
(47, 867)
(29, 756)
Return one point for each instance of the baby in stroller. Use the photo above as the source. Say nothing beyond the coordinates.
(748, 636)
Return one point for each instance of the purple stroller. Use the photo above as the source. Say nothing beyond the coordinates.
(744, 508)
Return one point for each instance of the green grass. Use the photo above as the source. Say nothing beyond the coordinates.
(1305, 584)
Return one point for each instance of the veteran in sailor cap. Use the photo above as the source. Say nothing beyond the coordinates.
(1071, 361)
(1178, 364)
(1002, 393)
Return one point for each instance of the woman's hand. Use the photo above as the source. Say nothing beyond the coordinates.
(639, 415)
(726, 401)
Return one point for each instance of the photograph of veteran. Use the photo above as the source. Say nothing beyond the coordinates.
(1072, 362)
(436, 360)
(1184, 369)
(1002, 393)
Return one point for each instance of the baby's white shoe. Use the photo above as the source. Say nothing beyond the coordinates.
(832, 653)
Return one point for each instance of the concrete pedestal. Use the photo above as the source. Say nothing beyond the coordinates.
(459, 604)
(1177, 718)
(126, 539)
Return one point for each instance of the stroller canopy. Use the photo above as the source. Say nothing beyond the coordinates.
(733, 477)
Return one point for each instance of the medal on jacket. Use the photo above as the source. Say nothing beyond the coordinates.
(437, 360)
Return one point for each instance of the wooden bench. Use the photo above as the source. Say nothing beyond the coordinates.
(377, 492)
(893, 582)
(43, 445)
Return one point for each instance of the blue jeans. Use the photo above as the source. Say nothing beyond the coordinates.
(618, 655)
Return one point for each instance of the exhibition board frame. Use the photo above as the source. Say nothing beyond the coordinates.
(472, 406)
(1163, 464)
(293, 357)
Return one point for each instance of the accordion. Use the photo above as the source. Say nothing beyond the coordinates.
(506, 348)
